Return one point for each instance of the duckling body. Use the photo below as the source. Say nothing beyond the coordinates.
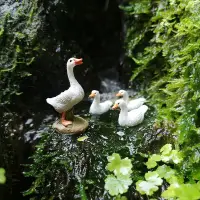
(131, 118)
(97, 107)
(132, 104)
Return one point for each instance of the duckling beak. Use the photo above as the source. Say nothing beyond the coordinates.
(78, 61)
(92, 95)
(118, 94)
(115, 107)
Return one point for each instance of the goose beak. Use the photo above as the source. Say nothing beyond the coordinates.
(118, 95)
(115, 107)
(78, 61)
(92, 95)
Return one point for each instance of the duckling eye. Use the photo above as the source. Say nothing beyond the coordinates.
(118, 103)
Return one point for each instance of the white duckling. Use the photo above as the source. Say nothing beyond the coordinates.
(69, 98)
(98, 108)
(133, 104)
(131, 118)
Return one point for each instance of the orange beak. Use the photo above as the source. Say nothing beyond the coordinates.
(78, 61)
(92, 95)
(118, 94)
(115, 107)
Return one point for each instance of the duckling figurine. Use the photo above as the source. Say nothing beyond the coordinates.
(131, 118)
(96, 107)
(133, 104)
(65, 101)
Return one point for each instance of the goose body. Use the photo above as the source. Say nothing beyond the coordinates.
(97, 107)
(131, 118)
(132, 104)
(69, 98)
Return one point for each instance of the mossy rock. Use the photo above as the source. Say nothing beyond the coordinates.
(78, 126)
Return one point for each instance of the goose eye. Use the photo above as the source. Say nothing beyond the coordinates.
(118, 103)
(70, 61)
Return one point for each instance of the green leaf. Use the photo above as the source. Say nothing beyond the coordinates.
(119, 166)
(166, 149)
(174, 156)
(154, 178)
(165, 171)
(145, 187)
(151, 184)
(170, 192)
(182, 192)
(81, 139)
(2, 176)
(152, 161)
(119, 185)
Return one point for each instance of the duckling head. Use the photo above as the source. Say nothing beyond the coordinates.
(121, 93)
(94, 93)
(120, 103)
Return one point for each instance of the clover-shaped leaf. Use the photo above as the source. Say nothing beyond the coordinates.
(154, 178)
(170, 192)
(166, 149)
(118, 165)
(145, 187)
(116, 186)
(2, 176)
(174, 156)
(165, 171)
(151, 184)
(182, 192)
(152, 161)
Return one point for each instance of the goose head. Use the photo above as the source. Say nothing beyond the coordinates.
(94, 93)
(121, 93)
(119, 104)
(72, 62)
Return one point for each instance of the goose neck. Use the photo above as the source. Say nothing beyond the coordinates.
(124, 111)
(72, 79)
(125, 97)
(97, 99)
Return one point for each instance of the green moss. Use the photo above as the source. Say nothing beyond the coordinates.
(19, 27)
(169, 31)
(63, 166)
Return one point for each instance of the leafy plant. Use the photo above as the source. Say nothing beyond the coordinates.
(119, 182)
(177, 188)
(162, 41)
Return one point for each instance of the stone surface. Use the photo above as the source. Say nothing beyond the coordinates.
(78, 126)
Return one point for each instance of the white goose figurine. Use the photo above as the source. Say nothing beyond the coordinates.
(67, 99)
(131, 118)
(98, 108)
(133, 104)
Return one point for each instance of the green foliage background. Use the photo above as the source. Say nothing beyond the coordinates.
(19, 28)
(163, 42)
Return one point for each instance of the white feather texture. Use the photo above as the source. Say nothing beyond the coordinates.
(132, 104)
(96, 107)
(131, 118)
(69, 98)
